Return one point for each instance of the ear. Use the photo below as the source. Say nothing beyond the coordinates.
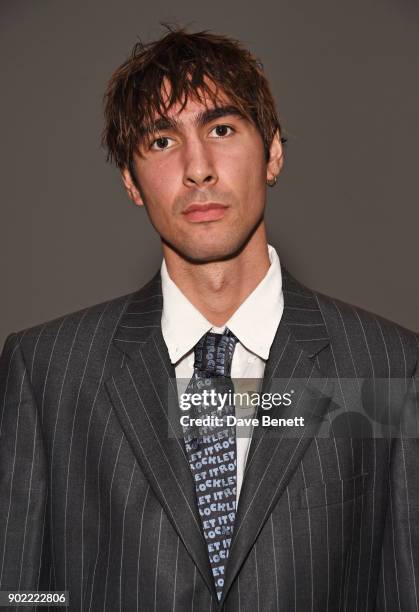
(131, 188)
(276, 158)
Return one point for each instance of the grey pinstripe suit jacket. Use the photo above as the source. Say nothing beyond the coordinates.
(96, 498)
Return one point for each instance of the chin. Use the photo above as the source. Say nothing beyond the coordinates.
(213, 242)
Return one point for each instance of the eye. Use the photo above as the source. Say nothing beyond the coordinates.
(222, 130)
(160, 144)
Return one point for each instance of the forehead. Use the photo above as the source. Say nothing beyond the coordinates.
(197, 100)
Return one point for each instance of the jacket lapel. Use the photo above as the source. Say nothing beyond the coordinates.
(275, 452)
(140, 393)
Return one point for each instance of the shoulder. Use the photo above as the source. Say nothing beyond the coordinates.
(368, 336)
(82, 335)
(78, 330)
(358, 337)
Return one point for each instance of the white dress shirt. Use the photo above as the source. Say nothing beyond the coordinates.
(254, 324)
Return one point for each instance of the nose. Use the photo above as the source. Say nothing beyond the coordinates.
(199, 167)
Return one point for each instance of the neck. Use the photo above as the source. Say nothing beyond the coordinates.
(218, 288)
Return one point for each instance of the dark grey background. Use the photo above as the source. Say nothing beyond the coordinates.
(344, 214)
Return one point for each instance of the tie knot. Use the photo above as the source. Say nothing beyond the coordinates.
(214, 353)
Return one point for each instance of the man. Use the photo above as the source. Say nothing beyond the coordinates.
(104, 494)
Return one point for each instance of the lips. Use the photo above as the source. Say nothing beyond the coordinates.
(210, 211)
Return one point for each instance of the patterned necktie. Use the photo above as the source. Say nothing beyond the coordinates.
(211, 447)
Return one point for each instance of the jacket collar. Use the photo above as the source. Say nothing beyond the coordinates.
(301, 316)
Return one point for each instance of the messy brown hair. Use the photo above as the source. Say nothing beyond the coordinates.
(188, 62)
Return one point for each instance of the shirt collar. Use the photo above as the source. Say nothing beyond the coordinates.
(254, 323)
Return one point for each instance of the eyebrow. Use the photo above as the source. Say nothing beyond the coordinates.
(201, 119)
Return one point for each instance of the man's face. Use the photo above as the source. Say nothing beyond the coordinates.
(203, 179)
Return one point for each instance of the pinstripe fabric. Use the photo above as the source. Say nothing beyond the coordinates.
(96, 498)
